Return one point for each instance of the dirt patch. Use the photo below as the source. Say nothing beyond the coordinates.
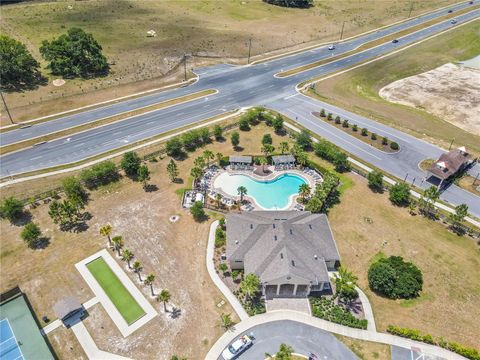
(449, 92)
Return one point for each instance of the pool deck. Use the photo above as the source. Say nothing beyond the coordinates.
(273, 175)
(110, 308)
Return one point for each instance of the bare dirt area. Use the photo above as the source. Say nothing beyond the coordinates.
(451, 92)
(208, 31)
(366, 224)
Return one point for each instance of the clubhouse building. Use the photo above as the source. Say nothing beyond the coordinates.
(290, 251)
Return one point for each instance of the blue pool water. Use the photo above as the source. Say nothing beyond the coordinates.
(270, 195)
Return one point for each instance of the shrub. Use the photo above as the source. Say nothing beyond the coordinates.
(394, 146)
(373, 136)
(338, 121)
(130, 163)
(328, 151)
(74, 190)
(364, 132)
(235, 139)
(322, 113)
(217, 132)
(11, 209)
(243, 124)
(325, 309)
(291, 3)
(395, 278)
(31, 234)
(399, 194)
(174, 147)
(330, 116)
(345, 123)
(267, 139)
(277, 124)
(384, 140)
(355, 127)
(197, 211)
(220, 237)
(375, 180)
(100, 174)
(192, 139)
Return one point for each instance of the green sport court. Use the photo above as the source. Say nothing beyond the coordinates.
(20, 336)
(115, 290)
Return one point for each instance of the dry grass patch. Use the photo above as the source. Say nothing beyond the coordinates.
(366, 350)
(366, 224)
(212, 31)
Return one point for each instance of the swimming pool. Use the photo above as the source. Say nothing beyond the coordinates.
(269, 194)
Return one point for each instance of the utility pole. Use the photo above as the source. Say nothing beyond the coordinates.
(6, 108)
(185, 65)
(411, 8)
(341, 34)
(249, 49)
(451, 143)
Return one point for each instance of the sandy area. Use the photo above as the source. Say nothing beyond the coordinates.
(451, 92)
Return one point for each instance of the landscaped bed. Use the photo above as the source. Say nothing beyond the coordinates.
(116, 291)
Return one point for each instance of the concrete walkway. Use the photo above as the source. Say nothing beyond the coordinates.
(367, 335)
(232, 299)
(89, 346)
(367, 310)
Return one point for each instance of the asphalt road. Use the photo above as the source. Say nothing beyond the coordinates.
(303, 338)
(241, 86)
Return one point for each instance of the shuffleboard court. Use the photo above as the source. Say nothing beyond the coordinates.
(9, 347)
(115, 290)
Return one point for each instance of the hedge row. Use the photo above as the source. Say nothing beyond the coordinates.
(469, 353)
(330, 152)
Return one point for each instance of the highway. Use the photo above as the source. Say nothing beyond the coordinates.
(242, 86)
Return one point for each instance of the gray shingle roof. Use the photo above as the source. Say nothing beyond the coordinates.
(276, 244)
(454, 160)
(65, 306)
(240, 159)
(283, 159)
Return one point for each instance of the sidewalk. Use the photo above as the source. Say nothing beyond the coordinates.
(232, 299)
(367, 335)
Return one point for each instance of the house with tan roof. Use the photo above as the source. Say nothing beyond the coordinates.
(290, 251)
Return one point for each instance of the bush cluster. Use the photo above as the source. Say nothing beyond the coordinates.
(328, 151)
(324, 308)
(326, 194)
(189, 141)
(413, 334)
(100, 174)
(220, 237)
(395, 278)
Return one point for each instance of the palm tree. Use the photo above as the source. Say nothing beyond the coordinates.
(283, 147)
(127, 255)
(242, 190)
(199, 162)
(302, 158)
(285, 352)
(250, 284)
(172, 170)
(196, 172)
(149, 281)
(219, 158)
(267, 149)
(226, 321)
(117, 243)
(164, 297)
(263, 161)
(208, 155)
(345, 283)
(218, 198)
(304, 191)
(137, 267)
(106, 230)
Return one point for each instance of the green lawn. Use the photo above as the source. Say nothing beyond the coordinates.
(113, 287)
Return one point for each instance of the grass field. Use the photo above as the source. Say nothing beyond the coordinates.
(366, 350)
(208, 30)
(357, 90)
(116, 291)
(366, 224)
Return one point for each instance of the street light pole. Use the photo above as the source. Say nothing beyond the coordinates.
(341, 34)
(6, 108)
(249, 49)
(185, 65)
(451, 143)
(411, 8)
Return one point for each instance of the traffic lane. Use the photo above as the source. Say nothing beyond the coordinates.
(304, 339)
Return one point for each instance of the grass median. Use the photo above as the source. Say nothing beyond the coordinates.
(105, 121)
(115, 290)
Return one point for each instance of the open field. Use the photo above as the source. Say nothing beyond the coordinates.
(366, 224)
(209, 31)
(116, 291)
(357, 90)
(366, 350)
(450, 92)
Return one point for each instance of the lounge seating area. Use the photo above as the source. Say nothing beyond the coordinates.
(313, 173)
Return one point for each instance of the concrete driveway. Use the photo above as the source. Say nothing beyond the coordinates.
(303, 338)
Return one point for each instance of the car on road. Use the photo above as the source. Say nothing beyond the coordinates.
(237, 347)
(331, 47)
(450, 11)
(394, 41)
(453, 21)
